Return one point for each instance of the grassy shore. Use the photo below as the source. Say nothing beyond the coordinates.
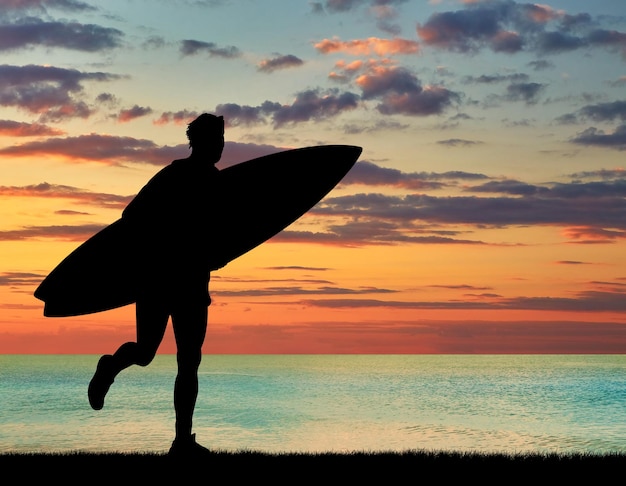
(409, 467)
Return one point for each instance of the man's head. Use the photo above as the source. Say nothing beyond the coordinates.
(206, 136)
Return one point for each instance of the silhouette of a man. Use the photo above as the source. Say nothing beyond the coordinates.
(170, 218)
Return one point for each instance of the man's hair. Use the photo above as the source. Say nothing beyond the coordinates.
(203, 126)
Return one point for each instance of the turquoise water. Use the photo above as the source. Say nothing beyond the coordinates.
(314, 403)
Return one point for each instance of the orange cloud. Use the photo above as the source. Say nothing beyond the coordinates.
(371, 45)
(347, 70)
(350, 66)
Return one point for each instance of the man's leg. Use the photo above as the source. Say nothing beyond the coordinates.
(189, 323)
(151, 322)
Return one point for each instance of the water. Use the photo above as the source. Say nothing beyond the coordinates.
(315, 403)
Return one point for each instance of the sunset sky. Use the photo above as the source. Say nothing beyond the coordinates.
(487, 213)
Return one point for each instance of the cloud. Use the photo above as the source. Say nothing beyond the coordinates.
(279, 62)
(527, 92)
(133, 113)
(373, 232)
(397, 90)
(378, 219)
(384, 15)
(235, 114)
(605, 174)
(51, 92)
(432, 100)
(369, 218)
(366, 47)
(621, 81)
(495, 78)
(177, 117)
(593, 235)
(31, 32)
(510, 27)
(108, 149)
(372, 175)
(340, 6)
(57, 232)
(611, 39)
(299, 290)
(308, 105)
(315, 104)
(401, 218)
(191, 47)
(384, 12)
(555, 42)
(600, 112)
(540, 65)
(463, 30)
(70, 212)
(18, 279)
(615, 110)
(349, 70)
(378, 125)
(69, 193)
(379, 232)
(43, 5)
(599, 138)
(154, 42)
(572, 190)
(586, 301)
(107, 99)
(116, 151)
(247, 281)
(299, 267)
(9, 128)
(337, 5)
(510, 186)
(236, 152)
(383, 80)
(400, 92)
(457, 142)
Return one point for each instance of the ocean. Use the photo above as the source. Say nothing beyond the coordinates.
(325, 403)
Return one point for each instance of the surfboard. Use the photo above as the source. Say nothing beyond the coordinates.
(258, 198)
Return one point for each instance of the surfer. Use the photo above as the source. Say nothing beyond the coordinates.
(168, 217)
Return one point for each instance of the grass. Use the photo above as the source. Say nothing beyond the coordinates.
(410, 467)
